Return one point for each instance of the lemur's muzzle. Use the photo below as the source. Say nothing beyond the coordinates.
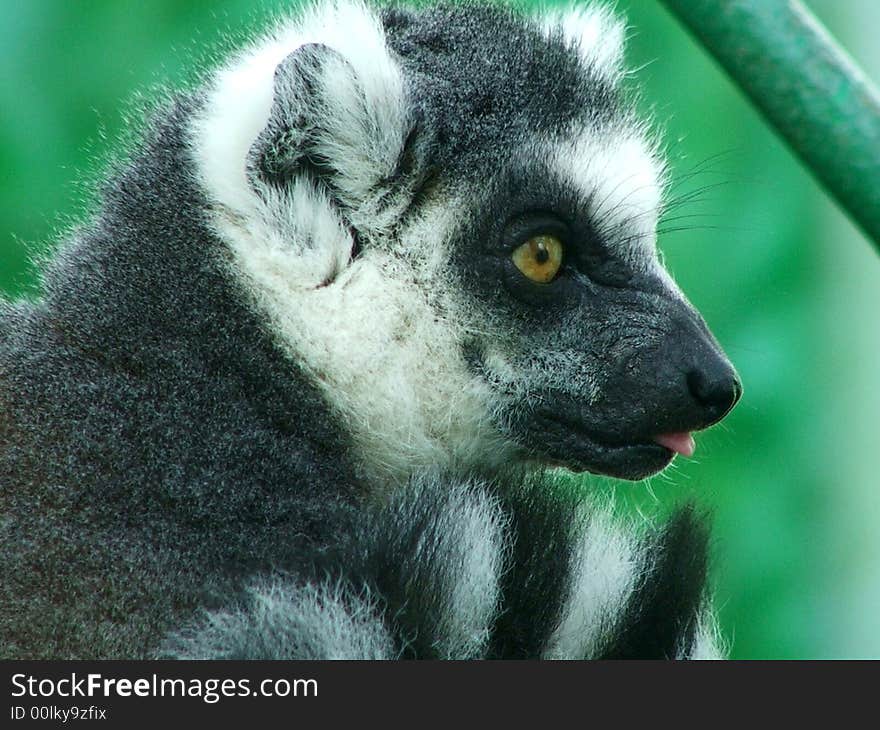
(699, 378)
(661, 376)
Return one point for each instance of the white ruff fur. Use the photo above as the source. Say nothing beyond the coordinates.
(388, 361)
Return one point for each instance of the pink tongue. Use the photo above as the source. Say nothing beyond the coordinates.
(681, 443)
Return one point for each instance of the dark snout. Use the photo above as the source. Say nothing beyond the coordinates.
(697, 381)
(661, 376)
(714, 386)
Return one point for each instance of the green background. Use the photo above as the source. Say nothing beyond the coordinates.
(787, 284)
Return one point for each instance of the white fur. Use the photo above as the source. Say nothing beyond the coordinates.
(595, 33)
(387, 362)
(607, 566)
(285, 621)
(708, 643)
(621, 175)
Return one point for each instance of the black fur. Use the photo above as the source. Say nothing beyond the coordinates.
(544, 518)
(461, 61)
(148, 455)
(660, 620)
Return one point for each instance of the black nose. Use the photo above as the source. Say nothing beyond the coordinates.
(715, 388)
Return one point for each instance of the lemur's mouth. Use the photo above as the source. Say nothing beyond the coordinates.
(681, 442)
(623, 437)
(574, 445)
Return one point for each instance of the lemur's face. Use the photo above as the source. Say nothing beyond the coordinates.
(450, 225)
(598, 361)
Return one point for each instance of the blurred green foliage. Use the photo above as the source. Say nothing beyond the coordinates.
(787, 285)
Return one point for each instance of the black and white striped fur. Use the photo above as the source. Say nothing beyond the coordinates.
(521, 570)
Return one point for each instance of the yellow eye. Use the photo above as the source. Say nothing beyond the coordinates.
(539, 258)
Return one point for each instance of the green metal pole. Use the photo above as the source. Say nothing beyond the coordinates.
(807, 87)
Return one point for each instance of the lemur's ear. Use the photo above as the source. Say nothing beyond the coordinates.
(342, 125)
(595, 34)
(289, 144)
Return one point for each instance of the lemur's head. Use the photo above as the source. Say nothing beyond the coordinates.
(448, 218)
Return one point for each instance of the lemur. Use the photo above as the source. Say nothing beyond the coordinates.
(304, 384)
